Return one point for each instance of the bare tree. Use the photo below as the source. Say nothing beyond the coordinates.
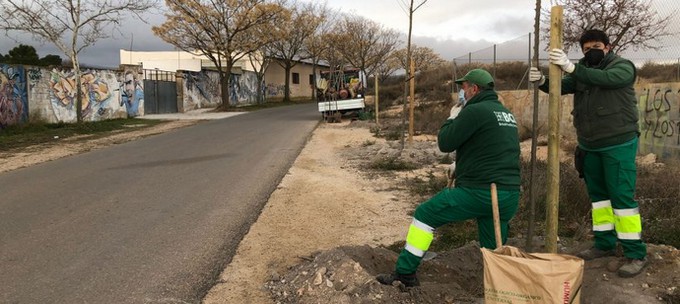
(71, 25)
(363, 43)
(388, 67)
(411, 6)
(222, 30)
(629, 23)
(424, 58)
(316, 45)
(289, 49)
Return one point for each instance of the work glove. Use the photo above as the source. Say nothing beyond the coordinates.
(558, 57)
(536, 76)
(450, 174)
(455, 110)
(451, 170)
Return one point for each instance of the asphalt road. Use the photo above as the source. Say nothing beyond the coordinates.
(150, 221)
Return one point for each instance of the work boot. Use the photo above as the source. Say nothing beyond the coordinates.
(409, 280)
(595, 253)
(632, 267)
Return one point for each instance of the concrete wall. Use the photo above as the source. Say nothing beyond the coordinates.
(35, 93)
(202, 89)
(275, 80)
(13, 95)
(658, 103)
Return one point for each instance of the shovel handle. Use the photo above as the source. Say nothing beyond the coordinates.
(496, 216)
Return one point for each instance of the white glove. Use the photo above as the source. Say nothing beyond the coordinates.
(558, 57)
(454, 111)
(451, 171)
(536, 76)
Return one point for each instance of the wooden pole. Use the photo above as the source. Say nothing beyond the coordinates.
(496, 216)
(534, 136)
(554, 113)
(377, 101)
(412, 85)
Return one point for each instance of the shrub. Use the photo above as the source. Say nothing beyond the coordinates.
(392, 164)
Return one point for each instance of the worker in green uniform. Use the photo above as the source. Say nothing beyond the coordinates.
(484, 135)
(606, 121)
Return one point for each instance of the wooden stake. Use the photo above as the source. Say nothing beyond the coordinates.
(412, 83)
(377, 101)
(554, 113)
(496, 216)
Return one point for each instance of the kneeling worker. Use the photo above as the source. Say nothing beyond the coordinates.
(485, 138)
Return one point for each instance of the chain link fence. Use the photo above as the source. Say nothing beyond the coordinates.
(509, 61)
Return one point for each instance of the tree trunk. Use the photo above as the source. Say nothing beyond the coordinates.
(225, 84)
(286, 94)
(79, 89)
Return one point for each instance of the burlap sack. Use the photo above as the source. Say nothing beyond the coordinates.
(514, 276)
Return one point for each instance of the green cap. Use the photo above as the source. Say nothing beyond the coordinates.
(479, 77)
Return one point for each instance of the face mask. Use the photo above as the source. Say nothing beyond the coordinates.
(461, 97)
(594, 57)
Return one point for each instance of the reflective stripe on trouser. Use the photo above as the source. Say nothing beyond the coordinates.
(610, 176)
(455, 205)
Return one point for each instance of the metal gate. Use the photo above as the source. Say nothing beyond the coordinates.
(160, 92)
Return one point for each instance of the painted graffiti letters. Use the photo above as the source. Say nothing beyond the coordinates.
(660, 121)
(13, 95)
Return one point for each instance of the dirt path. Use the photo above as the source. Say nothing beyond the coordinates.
(318, 238)
(321, 204)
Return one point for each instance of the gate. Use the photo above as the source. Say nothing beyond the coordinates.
(160, 92)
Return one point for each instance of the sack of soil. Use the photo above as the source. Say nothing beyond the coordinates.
(514, 276)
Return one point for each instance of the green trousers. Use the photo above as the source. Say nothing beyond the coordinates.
(455, 205)
(610, 176)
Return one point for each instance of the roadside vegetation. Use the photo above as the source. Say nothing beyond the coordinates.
(24, 135)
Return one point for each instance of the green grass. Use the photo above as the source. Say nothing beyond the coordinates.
(267, 105)
(24, 135)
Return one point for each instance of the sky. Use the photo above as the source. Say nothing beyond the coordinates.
(450, 28)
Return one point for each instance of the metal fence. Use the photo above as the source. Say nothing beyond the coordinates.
(514, 56)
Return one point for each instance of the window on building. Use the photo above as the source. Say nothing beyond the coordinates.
(311, 79)
(296, 78)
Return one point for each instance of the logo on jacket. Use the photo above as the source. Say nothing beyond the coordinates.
(505, 119)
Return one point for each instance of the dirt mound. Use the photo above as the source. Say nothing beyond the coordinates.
(347, 275)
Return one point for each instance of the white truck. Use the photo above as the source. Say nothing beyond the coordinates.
(340, 92)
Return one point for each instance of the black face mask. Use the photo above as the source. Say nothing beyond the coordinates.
(594, 57)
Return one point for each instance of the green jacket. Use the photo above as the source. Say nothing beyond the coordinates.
(605, 105)
(485, 138)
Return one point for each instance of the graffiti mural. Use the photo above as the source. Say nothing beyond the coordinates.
(98, 100)
(201, 90)
(659, 108)
(243, 89)
(13, 95)
(131, 93)
(273, 89)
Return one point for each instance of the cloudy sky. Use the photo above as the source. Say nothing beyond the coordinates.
(451, 28)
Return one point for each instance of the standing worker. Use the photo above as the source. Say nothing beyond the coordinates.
(484, 136)
(606, 121)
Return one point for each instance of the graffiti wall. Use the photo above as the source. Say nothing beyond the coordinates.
(659, 106)
(243, 89)
(659, 116)
(201, 90)
(131, 88)
(13, 95)
(100, 95)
